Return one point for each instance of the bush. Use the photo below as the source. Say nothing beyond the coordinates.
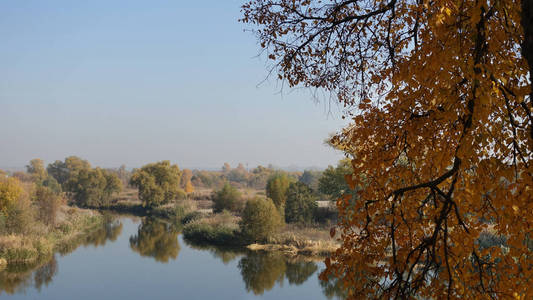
(227, 198)
(48, 203)
(202, 233)
(260, 219)
(301, 204)
(191, 217)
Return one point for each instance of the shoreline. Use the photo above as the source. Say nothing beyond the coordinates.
(37, 247)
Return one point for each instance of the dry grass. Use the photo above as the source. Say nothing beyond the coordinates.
(297, 240)
(223, 219)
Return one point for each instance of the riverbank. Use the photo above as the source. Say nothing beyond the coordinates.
(203, 227)
(223, 230)
(39, 242)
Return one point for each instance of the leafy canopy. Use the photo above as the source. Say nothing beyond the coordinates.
(158, 183)
(442, 131)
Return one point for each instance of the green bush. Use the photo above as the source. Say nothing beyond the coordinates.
(260, 219)
(202, 233)
(227, 198)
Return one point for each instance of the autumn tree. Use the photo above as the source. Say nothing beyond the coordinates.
(442, 132)
(158, 183)
(93, 187)
(186, 176)
(276, 189)
(37, 170)
(64, 170)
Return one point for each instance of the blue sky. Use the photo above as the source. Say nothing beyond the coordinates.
(131, 82)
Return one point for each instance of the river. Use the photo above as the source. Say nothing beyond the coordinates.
(139, 258)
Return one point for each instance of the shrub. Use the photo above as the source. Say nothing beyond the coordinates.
(227, 198)
(260, 219)
(191, 217)
(48, 203)
(301, 203)
(203, 233)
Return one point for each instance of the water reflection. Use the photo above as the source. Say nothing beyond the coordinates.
(333, 288)
(225, 254)
(260, 271)
(16, 278)
(156, 239)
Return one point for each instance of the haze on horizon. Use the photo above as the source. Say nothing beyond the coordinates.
(123, 82)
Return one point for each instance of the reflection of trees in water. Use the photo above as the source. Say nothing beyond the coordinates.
(225, 254)
(260, 271)
(298, 272)
(43, 275)
(19, 277)
(333, 289)
(156, 239)
(108, 231)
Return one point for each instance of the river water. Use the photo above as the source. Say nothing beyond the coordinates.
(133, 258)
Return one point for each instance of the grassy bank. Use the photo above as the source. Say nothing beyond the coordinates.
(40, 242)
(223, 230)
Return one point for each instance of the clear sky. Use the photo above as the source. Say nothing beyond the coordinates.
(132, 82)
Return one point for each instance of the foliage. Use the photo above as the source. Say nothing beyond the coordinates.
(442, 131)
(10, 192)
(227, 198)
(333, 183)
(48, 203)
(260, 219)
(93, 187)
(310, 178)
(158, 183)
(301, 204)
(36, 170)
(189, 188)
(202, 233)
(276, 189)
(63, 171)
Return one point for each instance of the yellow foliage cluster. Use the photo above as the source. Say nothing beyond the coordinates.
(442, 135)
(10, 191)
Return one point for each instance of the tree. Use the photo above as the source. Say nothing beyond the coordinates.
(189, 188)
(227, 198)
(310, 178)
(260, 219)
(158, 183)
(186, 176)
(333, 182)
(301, 203)
(276, 189)
(62, 171)
(93, 187)
(442, 131)
(10, 191)
(36, 170)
